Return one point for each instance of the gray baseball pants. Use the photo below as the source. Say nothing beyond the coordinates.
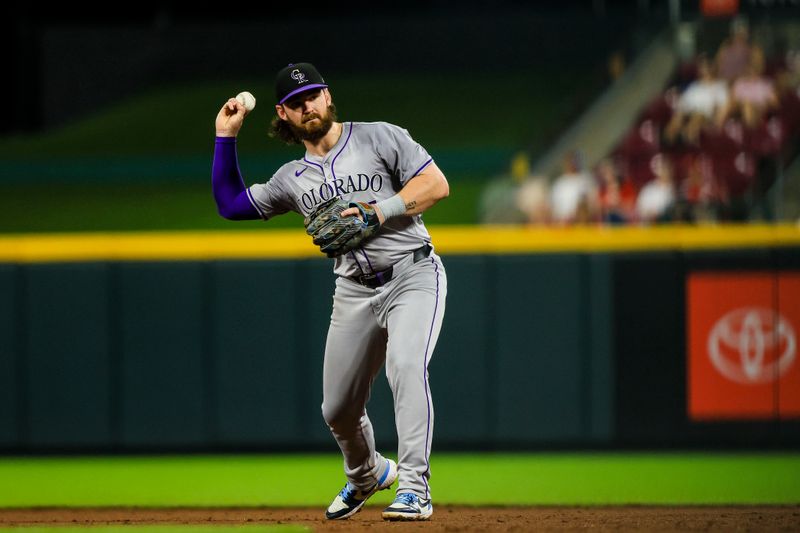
(397, 323)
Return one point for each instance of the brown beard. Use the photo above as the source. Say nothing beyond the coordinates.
(313, 132)
(291, 134)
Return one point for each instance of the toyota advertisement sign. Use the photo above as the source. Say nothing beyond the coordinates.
(742, 333)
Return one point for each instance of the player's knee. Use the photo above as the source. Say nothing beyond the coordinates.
(339, 414)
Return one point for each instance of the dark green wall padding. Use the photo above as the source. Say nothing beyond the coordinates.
(220, 355)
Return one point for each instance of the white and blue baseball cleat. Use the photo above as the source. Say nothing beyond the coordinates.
(408, 506)
(351, 499)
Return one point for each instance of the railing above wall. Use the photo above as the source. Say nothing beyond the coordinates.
(450, 240)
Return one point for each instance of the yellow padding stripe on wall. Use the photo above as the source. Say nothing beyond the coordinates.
(287, 244)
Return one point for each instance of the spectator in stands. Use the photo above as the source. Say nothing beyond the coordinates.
(787, 85)
(616, 65)
(791, 75)
(754, 95)
(705, 102)
(699, 195)
(533, 200)
(736, 53)
(787, 75)
(617, 198)
(574, 194)
(657, 197)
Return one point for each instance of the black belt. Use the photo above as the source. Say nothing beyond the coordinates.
(376, 279)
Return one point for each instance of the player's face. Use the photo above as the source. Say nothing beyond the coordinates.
(308, 114)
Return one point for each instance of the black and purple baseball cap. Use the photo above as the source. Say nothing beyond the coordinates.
(297, 78)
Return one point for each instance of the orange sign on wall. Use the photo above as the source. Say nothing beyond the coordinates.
(742, 345)
(719, 8)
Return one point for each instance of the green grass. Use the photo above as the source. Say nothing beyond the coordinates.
(121, 207)
(144, 163)
(464, 112)
(479, 479)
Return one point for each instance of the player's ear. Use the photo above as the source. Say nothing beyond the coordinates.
(328, 97)
(280, 111)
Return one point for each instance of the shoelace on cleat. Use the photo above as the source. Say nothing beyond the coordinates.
(406, 498)
(347, 492)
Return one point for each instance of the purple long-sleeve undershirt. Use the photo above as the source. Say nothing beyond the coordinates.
(230, 192)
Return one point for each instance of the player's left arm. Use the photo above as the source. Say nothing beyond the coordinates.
(424, 190)
(419, 194)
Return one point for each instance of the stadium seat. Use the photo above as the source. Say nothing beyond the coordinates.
(767, 139)
(729, 139)
(790, 110)
(735, 172)
(682, 161)
(643, 139)
(660, 109)
(642, 169)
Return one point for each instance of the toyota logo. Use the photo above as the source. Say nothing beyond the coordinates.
(752, 345)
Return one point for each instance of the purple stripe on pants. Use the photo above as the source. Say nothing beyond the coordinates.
(425, 381)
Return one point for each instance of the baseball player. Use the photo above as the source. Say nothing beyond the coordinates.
(362, 188)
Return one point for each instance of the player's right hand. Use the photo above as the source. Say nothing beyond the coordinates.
(230, 118)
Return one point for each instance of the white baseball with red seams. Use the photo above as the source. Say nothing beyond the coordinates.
(247, 99)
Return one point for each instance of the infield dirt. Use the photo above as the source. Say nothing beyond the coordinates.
(445, 518)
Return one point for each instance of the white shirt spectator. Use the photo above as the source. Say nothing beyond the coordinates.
(654, 199)
(533, 200)
(704, 97)
(567, 193)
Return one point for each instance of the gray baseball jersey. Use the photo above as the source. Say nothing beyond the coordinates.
(370, 162)
(397, 323)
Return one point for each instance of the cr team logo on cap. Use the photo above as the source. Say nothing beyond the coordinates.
(299, 76)
(295, 78)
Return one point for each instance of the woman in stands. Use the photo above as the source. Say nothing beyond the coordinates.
(704, 103)
(753, 94)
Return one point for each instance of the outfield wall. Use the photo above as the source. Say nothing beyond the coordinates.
(566, 338)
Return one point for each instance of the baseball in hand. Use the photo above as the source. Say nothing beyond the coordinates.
(247, 100)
